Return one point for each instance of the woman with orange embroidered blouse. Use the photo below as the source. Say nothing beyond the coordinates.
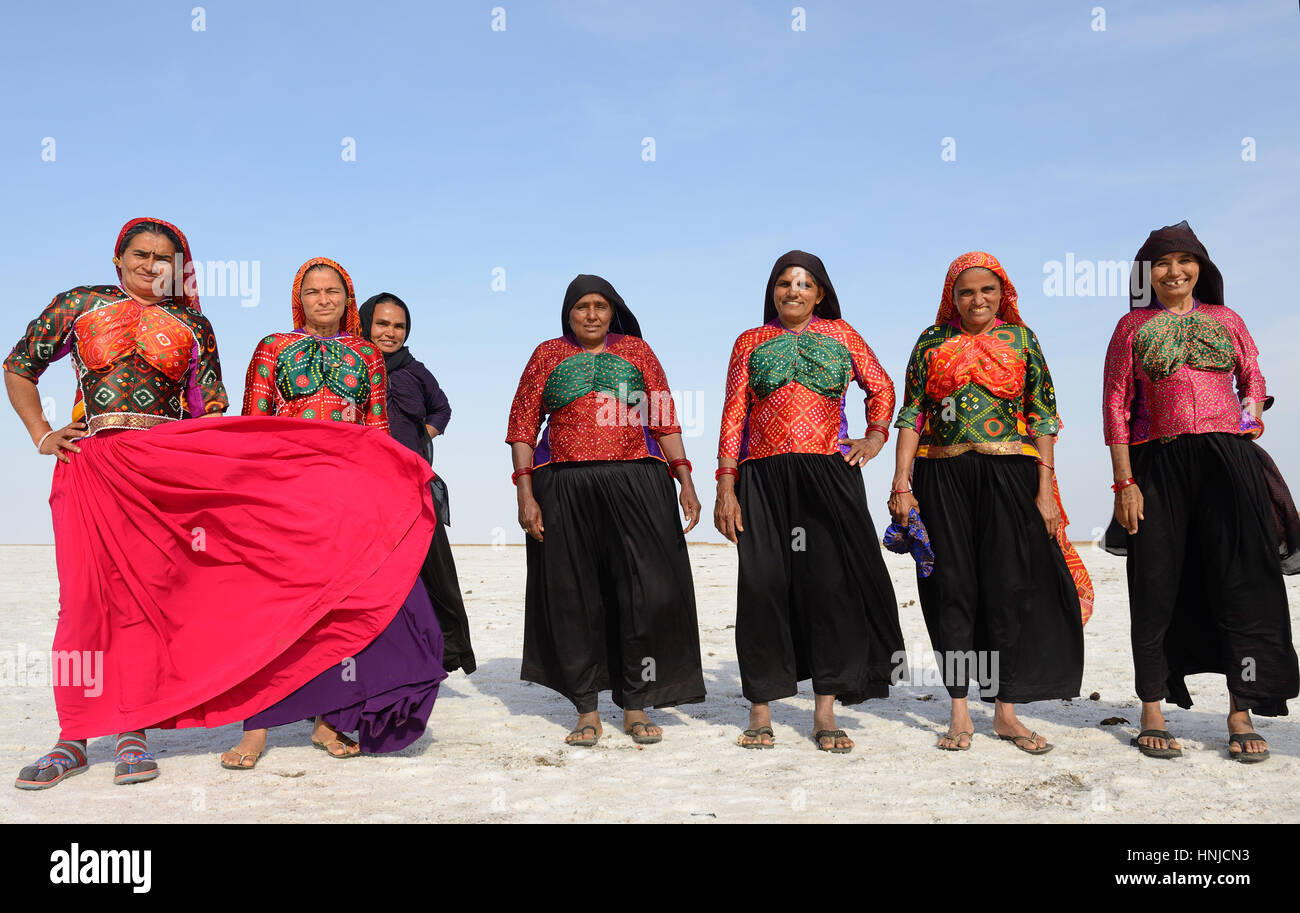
(814, 598)
(325, 370)
(1182, 403)
(1008, 595)
(610, 604)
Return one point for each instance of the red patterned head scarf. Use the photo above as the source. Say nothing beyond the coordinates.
(189, 285)
(1007, 309)
(351, 322)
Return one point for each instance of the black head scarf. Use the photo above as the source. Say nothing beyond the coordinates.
(402, 357)
(828, 308)
(624, 321)
(1209, 285)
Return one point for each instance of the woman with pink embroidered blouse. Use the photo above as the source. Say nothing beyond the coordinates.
(1182, 402)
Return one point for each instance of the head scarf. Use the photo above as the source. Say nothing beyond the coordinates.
(828, 308)
(1171, 238)
(402, 357)
(1007, 308)
(189, 286)
(624, 321)
(351, 321)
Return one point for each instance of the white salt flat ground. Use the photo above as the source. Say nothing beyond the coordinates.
(494, 750)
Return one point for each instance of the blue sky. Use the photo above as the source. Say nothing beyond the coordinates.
(522, 150)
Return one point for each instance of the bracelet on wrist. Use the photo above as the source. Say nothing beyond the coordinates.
(41, 442)
(901, 491)
(1048, 465)
(878, 426)
(726, 471)
(1120, 486)
(519, 473)
(672, 466)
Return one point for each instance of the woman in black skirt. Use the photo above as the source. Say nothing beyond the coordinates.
(610, 604)
(814, 597)
(1003, 603)
(1183, 399)
(418, 412)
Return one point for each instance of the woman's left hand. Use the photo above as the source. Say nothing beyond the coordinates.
(862, 449)
(1046, 503)
(690, 506)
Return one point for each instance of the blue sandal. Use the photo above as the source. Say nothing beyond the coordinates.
(66, 759)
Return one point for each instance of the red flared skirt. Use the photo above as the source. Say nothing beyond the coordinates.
(208, 568)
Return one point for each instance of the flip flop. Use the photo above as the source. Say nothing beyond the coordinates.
(66, 758)
(583, 742)
(240, 765)
(834, 735)
(643, 739)
(754, 734)
(1156, 752)
(134, 762)
(343, 740)
(1241, 738)
(955, 737)
(1032, 739)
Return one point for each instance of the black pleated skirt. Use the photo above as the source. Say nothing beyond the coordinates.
(814, 598)
(1001, 606)
(1204, 575)
(438, 574)
(610, 603)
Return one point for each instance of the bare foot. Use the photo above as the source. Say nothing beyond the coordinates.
(1007, 725)
(960, 727)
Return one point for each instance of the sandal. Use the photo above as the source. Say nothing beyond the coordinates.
(1150, 752)
(133, 761)
(345, 744)
(583, 741)
(66, 759)
(1032, 739)
(646, 739)
(239, 764)
(757, 734)
(1241, 738)
(955, 738)
(834, 735)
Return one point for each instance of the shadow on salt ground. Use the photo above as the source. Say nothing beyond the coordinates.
(500, 680)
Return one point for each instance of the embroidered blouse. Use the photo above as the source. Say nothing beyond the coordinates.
(609, 405)
(340, 378)
(1169, 374)
(989, 392)
(786, 391)
(137, 365)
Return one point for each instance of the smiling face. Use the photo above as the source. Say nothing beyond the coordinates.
(590, 319)
(146, 265)
(1173, 277)
(977, 293)
(795, 295)
(324, 295)
(388, 327)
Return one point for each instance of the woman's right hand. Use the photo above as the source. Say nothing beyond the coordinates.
(1128, 507)
(901, 504)
(60, 443)
(530, 516)
(726, 514)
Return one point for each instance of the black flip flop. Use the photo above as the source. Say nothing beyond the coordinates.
(1155, 752)
(834, 735)
(583, 742)
(754, 734)
(643, 739)
(1241, 738)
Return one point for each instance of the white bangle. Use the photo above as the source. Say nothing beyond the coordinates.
(41, 442)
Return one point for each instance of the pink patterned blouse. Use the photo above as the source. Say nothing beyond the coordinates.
(1170, 374)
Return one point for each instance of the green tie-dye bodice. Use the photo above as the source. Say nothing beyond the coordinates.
(601, 372)
(818, 362)
(1168, 341)
(306, 365)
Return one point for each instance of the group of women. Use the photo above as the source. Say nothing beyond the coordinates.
(302, 546)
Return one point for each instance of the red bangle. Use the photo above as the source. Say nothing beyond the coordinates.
(1120, 486)
(726, 471)
(901, 491)
(682, 462)
(514, 476)
(877, 426)
(1048, 465)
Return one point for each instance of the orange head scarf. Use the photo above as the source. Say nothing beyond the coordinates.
(1007, 309)
(351, 322)
(189, 286)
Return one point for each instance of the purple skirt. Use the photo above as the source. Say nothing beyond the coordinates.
(385, 693)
